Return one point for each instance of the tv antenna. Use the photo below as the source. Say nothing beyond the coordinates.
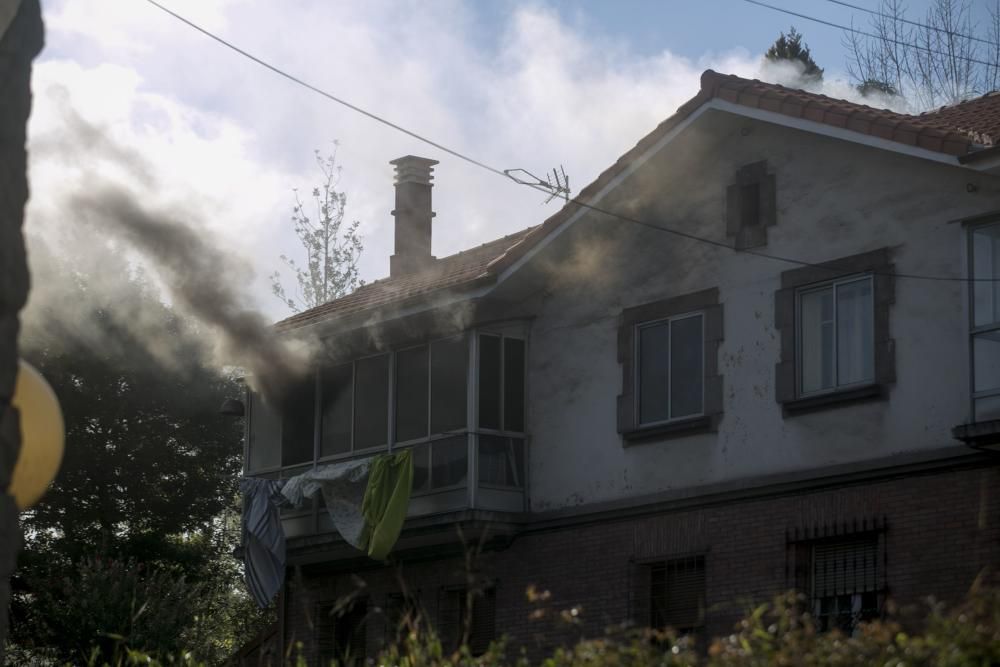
(556, 183)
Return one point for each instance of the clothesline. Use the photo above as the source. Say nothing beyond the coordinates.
(367, 500)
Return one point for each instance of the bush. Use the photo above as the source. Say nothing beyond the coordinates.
(99, 606)
(777, 633)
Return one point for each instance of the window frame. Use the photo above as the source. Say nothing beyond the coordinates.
(705, 303)
(699, 561)
(469, 433)
(976, 331)
(831, 285)
(826, 622)
(787, 393)
(502, 333)
(700, 314)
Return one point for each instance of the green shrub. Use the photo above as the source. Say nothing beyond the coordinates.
(778, 633)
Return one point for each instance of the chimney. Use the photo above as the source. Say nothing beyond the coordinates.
(413, 215)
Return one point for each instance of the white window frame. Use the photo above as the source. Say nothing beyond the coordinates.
(974, 330)
(637, 389)
(819, 287)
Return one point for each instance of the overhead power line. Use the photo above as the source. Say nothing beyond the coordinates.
(569, 200)
(867, 34)
(918, 24)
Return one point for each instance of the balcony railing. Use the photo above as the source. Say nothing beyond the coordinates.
(452, 472)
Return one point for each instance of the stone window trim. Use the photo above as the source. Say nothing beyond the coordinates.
(705, 302)
(751, 235)
(877, 263)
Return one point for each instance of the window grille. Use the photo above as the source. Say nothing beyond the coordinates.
(677, 594)
(845, 582)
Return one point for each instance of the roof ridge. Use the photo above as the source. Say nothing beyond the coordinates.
(710, 73)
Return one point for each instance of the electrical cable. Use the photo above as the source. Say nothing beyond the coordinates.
(830, 266)
(918, 24)
(866, 34)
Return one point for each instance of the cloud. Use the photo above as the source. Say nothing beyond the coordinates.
(222, 135)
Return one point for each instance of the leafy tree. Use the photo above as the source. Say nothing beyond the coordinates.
(790, 48)
(332, 249)
(150, 468)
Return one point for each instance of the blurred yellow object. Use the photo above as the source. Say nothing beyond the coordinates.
(42, 436)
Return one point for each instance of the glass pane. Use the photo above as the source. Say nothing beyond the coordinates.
(489, 381)
(750, 205)
(336, 410)
(513, 384)
(501, 461)
(654, 342)
(265, 435)
(421, 468)
(986, 265)
(411, 394)
(855, 333)
(449, 379)
(449, 461)
(816, 344)
(987, 408)
(298, 419)
(686, 370)
(986, 353)
(371, 392)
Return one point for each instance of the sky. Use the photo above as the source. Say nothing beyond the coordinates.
(126, 94)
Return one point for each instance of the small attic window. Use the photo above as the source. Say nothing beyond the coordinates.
(750, 206)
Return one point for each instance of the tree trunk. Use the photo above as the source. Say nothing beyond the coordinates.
(20, 41)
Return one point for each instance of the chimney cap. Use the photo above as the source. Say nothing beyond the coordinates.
(414, 169)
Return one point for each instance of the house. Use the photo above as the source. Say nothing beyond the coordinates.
(761, 355)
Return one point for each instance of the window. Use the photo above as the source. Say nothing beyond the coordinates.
(449, 385)
(501, 383)
(428, 386)
(845, 586)
(341, 633)
(371, 398)
(501, 461)
(985, 267)
(456, 620)
(297, 424)
(751, 206)
(670, 380)
(337, 390)
(836, 335)
(833, 319)
(670, 361)
(412, 389)
(677, 594)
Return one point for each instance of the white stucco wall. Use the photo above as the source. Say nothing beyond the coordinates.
(834, 200)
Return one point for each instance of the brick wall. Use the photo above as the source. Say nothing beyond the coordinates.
(937, 531)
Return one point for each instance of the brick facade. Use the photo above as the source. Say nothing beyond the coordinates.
(936, 529)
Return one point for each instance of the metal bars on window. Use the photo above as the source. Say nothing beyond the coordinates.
(677, 594)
